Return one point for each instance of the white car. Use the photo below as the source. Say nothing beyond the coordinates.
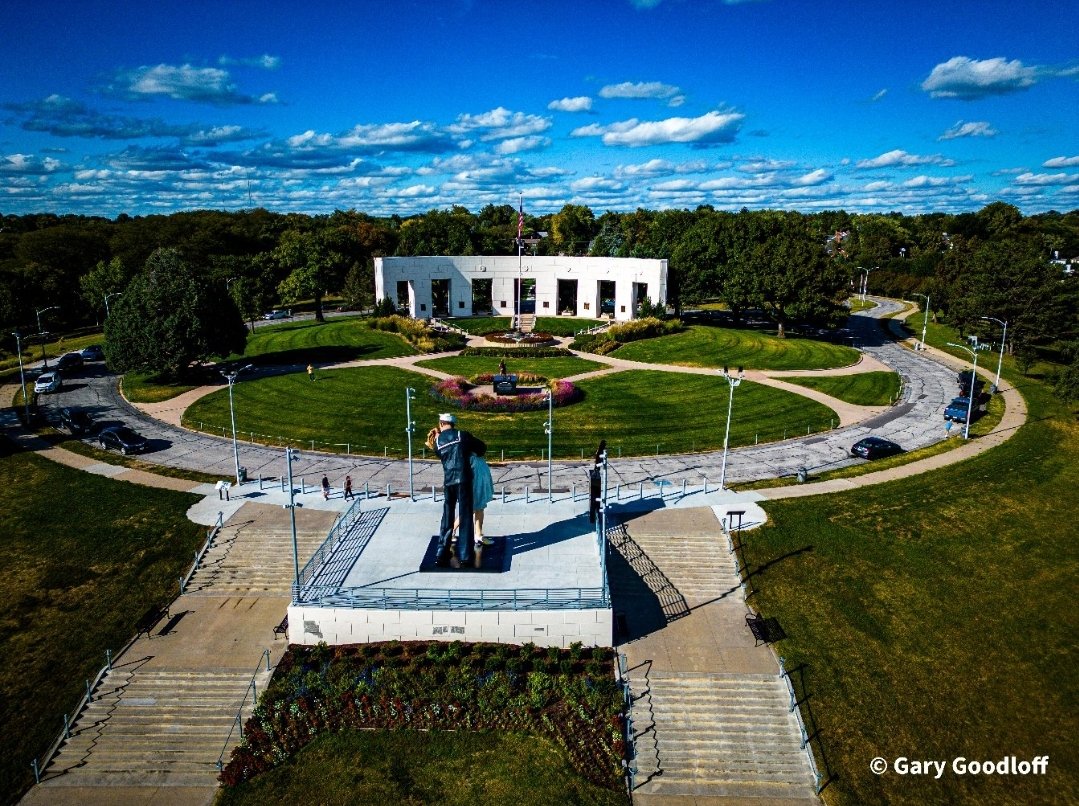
(278, 313)
(47, 382)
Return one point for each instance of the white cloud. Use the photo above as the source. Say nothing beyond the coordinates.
(580, 103)
(27, 164)
(500, 123)
(595, 183)
(183, 83)
(968, 79)
(879, 95)
(640, 89)
(972, 128)
(516, 145)
(817, 177)
(1061, 162)
(712, 127)
(1029, 178)
(935, 181)
(658, 167)
(901, 159)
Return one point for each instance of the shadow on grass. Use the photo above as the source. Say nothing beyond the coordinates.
(329, 354)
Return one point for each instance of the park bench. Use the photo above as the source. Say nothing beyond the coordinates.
(282, 628)
(758, 626)
(148, 619)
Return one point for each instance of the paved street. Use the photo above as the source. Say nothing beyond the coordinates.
(914, 422)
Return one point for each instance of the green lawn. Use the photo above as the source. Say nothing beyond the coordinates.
(469, 366)
(339, 339)
(84, 557)
(861, 389)
(705, 346)
(556, 325)
(936, 617)
(637, 412)
(410, 767)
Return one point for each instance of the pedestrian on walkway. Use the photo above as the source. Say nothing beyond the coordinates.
(310, 372)
(326, 488)
(502, 367)
(348, 488)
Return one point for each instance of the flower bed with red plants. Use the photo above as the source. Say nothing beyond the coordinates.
(535, 337)
(467, 394)
(568, 694)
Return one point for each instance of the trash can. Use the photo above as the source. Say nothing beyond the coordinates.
(803, 474)
(241, 474)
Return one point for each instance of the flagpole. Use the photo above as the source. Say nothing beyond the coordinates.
(520, 279)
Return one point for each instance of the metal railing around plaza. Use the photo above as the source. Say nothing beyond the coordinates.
(210, 537)
(456, 599)
(238, 721)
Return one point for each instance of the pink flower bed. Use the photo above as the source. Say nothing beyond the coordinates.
(463, 394)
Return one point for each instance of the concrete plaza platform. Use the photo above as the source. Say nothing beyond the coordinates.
(365, 582)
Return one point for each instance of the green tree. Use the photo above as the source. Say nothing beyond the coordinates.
(572, 229)
(168, 318)
(314, 267)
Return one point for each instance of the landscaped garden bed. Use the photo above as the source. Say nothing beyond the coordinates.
(569, 695)
(472, 394)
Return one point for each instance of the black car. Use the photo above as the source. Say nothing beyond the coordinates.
(69, 361)
(93, 353)
(122, 439)
(874, 448)
(75, 420)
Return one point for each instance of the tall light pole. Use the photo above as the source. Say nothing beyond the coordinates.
(973, 378)
(925, 321)
(548, 429)
(22, 375)
(290, 454)
(410, 429)
(865, 281)
(733, 381)
(231, 378)
(110, 296)
(41, 335)
(1003, 339)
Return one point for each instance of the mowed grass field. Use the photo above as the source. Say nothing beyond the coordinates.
(339, 339)
(84, 558)
(705, 346)
(935, 617)
(551, 368)
(638, 413)
(860, 389)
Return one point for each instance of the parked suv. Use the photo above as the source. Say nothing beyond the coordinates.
(69, 361)
(48, 382)
(75, 420)
(121, 438)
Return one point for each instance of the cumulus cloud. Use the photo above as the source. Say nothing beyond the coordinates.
(265, 61)
(580, 103)
(412, 136)
(712, 127)
(935, 181)
(969, 79)
(517, 145)
(813, 178)
(1029, 178)
(901, 159)
(593, 184)
(183, 83)
(138, 159)
(1061, 162)
(28, 165)
(973, 128)
(641, 89)
(499, 124)
(658, 167)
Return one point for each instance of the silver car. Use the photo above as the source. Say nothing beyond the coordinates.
(48, 382)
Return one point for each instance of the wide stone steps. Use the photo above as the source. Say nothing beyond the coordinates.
(243, 560)
(169, 725)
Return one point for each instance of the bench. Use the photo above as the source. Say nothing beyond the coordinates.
(758, 627)
(282, 628)
(146, 623)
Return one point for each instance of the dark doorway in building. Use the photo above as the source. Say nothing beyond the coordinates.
(606, 297)
(527, 295)
(440, 297)
(481, 298)
(402, 296)
(567, 297)
(641, 297)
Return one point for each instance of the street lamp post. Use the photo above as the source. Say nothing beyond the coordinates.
(410, 429)
(548, 429)
(231, 378)
(108, 297)
(41, 335)
(1003, 340)
(925, 321)
(973, 377)
(22, 375)
(865, 281)
(733, 381)
(290, 454)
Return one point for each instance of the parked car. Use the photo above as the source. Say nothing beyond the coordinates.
(874, 448)
(48, 382)
(956, 411)
(93, 353)
(121, 438)
(76, 421)
(69, 361)
(278, 313)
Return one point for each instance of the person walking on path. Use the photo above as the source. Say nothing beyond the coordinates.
(310, 372)
(455, 448)
(326, 488)
(348, 488)
(502, 366)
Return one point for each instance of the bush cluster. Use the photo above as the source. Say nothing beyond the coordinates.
(418, 334)
(521, 353)
(568, 694)
(633, 330)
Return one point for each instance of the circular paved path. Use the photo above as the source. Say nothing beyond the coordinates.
(915, 421)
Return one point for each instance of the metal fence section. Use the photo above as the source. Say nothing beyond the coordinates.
(807, 737)
(202, 552)
(457, 599)
(238, 722)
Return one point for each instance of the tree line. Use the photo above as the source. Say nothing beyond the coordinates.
(793, 267)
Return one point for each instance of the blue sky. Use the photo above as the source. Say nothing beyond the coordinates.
(123, 107)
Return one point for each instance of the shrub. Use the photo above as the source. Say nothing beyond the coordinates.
(418, 334)
(521, 352)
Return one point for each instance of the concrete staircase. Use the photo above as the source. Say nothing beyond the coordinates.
(718, 735)
(155, 727)
(528, 322)
(711, 716)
